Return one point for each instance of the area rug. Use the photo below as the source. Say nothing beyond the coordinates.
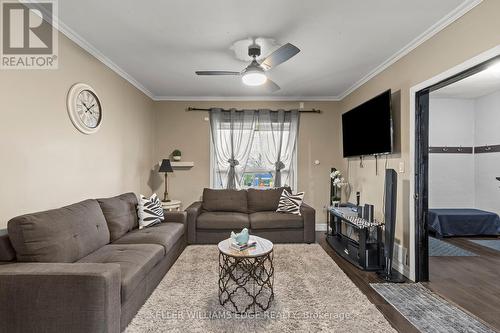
(439, 248)
(427, 311)
(312, 294)
(490, 243)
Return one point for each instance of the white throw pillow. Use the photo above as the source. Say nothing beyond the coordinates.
(290, 203)
(150, 211)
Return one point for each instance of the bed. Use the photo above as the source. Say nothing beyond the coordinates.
(446, 222)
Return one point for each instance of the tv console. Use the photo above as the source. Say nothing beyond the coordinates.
(357, 240)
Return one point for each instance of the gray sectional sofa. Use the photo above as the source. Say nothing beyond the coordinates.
(222, 211)
(84, 267)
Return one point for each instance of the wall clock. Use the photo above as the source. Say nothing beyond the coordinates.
(84, 108)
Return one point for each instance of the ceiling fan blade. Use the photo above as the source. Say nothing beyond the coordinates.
(271, 86)
(280, 56)
(217, 73)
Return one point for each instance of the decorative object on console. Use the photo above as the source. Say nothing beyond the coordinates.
(177, 155)
(84, 108)
(240, 238)
(368, 212)
(290, 203)
(149, 211)
(336, 184)
(166, 167)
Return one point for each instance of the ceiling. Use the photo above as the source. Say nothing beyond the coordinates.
(157, 45)
(481, 84)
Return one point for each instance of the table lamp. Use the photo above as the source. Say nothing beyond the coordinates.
(166, 167)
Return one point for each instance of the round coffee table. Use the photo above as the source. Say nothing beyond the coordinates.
(246, 277)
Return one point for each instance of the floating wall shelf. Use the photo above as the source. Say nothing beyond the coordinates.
(182, 165)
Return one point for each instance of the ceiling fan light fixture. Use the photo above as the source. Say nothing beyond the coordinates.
(254, 77)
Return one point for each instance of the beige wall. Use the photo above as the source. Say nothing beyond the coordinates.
(189, 132)
(472, 34)
(45, 161)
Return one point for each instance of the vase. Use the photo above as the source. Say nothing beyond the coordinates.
(177, 158)
(337, 193)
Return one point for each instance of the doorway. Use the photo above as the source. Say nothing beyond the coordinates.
(421, 166)
(457, 162)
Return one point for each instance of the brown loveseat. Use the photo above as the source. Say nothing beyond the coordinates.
(84, 267)
(222, 211)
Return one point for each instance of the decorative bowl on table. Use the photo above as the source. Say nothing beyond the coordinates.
(240, 238)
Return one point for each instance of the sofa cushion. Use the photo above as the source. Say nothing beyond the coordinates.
(222, 220)
(264, 200)
(120, 213)
(135, 260)
(165, 234)
(274, 220)
(225, 200)
(59, 235)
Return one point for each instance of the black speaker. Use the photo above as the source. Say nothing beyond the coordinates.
(391, 191)
(391, 188)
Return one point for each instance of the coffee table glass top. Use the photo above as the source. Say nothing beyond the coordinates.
(263, 247)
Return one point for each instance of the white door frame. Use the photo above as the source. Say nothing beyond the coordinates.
(413, 90)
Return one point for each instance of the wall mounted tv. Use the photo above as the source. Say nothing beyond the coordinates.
(367, 129)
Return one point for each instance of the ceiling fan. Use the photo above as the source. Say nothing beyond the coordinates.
(255, 73)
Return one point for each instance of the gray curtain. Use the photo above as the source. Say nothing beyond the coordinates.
(278, 133)
(232, 135)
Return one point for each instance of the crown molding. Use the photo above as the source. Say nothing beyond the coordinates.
(248, 98)
(80, 41)
(426, 35)
(85, 45)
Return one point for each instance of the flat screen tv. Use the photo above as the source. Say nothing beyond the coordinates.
(367, 129)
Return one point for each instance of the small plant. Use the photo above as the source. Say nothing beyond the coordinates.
(176, 155)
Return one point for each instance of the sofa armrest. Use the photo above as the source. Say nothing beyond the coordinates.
(193, 212)
(57, 297)
(175, 216)
(309, 216)
(7, 252)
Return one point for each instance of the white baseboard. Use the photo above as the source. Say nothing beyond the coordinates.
(403, 269)
(321, 226)
(400, 255)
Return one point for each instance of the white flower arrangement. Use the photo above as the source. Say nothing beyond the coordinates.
(338, 180)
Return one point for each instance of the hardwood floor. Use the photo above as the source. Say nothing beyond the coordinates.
(473, 283)
(362, 280)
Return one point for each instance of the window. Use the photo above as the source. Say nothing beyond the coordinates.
(257, 173)
(253, 149)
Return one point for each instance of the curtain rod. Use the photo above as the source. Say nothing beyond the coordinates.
(238, 110)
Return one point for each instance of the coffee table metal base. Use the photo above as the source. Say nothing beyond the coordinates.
(246, 283)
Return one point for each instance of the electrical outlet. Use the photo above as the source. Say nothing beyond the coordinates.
(401, 167)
